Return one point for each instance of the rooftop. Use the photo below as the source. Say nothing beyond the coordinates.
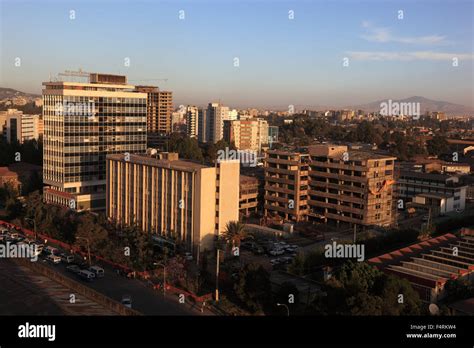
(148, 160)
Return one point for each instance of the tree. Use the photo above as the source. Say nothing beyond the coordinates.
(253, 287)
(437, 146)
(234, 233)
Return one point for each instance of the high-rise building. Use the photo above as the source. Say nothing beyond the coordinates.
(159, 113)
(351, 186)
(192, 121)
(286, 185)
(216, 114)
(173, 198)
(249, 134)
(20, 127)
(83, 122)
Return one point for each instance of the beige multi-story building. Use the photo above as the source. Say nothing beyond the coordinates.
(249, 134)
(20, 127)
(83, 122)
(159, 113)
(214, 119)
(173, 198)
(248, 200)
(286, 184)
(192, 121)
(329, 183)
(351, 186)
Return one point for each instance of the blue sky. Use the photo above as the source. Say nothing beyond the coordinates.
(282, 61)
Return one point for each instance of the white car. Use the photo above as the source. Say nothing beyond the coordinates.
(127, 301)
(54, 259)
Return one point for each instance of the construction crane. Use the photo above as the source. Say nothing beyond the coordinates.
(166, 80)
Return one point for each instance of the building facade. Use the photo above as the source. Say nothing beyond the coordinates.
(351, 187)
(250, 134)
(248, 199)
(159, 108)
(286, 185)
(216, 114)
(20, 127)
(192, 121)
(411, 184)
(84, 122)
(170, 197)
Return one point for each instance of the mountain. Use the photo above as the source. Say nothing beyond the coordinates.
(10, 93)
(425, 105)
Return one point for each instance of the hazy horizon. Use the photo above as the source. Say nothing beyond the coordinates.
(285, 58)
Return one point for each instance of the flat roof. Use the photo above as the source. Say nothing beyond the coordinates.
(186, 165)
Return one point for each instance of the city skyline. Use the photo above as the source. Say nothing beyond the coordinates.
(388, 57)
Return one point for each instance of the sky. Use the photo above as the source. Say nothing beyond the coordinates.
(245, 53)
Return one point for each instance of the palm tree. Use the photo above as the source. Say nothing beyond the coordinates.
(234, 233)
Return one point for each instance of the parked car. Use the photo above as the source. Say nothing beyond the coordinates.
(98, 271)
(188, 256)
(54, 259)
(50, 251)
(86, 275)
(73, 269)
(127, 301)
(66, 258)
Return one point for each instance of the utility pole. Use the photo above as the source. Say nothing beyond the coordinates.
(217, 276)
(88, 248)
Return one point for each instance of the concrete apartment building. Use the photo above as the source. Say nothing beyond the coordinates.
(213, 122)
(249, 134)
(248, 195)
(286, 185)
(192, 121)
(159, 113)
(20, 127)
(351, 186)
(168, 196)
(440, 186)
(84, 122)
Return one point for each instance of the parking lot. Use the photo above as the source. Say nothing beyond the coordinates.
(272, 254)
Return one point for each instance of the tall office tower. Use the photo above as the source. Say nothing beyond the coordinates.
(20, 127)
(159, 113)
(351, 187)
(83, 122)
(216, 115)
(192, 121)
(249, 134)
(173, 198)
(286, 185)
(202, 125)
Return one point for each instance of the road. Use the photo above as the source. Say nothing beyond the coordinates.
(144, 298)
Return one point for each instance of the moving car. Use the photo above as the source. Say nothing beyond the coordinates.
(73, 269)
(127, 301)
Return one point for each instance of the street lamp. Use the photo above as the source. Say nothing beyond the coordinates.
(284, 305)
(164, 275)
(34, 227)
(88, 248)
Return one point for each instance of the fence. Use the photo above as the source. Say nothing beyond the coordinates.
(141, 275)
